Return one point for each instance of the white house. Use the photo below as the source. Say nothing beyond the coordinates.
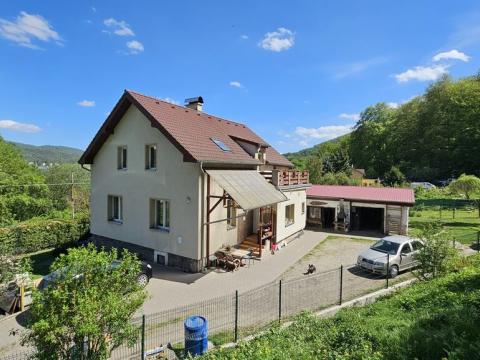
(175, 184)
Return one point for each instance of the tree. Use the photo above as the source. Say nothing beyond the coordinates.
(85, 313)
(23, 193)
(437, 254)
(394, 177)
(466, 185)
(62, 194)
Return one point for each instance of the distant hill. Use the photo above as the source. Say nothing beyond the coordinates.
(49, 153)
(298, 158)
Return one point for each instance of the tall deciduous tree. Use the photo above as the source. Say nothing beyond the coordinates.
(85, 312)
(23, 193)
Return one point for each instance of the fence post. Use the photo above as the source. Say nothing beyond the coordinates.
(280, 301)
(341, 286)
(236, 315)
(388, 268)
(478, 241)
(143, 336)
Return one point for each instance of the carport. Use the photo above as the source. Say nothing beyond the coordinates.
(357, 208)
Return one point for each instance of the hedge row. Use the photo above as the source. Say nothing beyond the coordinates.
(38, 234)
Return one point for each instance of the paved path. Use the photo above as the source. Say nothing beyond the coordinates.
(172, 288)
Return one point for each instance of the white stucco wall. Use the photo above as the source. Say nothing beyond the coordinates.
(173, 180)
(296, 197)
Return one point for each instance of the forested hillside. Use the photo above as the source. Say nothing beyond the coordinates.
(26, 192)
(49, 154)
(432, 137)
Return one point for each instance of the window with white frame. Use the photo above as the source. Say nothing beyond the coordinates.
(122, 158)
(231, 214)
(115, 208)
(289, 214)
(151, 157)
(160, 214)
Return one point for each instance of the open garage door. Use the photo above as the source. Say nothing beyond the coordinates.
(368, 219)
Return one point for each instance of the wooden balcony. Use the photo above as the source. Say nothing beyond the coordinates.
(286, 177)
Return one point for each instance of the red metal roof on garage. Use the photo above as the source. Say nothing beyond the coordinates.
(360, 193)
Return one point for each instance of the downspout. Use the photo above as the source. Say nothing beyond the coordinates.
(202, 235)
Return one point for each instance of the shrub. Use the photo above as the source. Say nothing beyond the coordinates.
(38, 234)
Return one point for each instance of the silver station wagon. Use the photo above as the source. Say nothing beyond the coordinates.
(399, 250)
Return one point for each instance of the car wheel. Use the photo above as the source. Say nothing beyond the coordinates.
(393, 271)
(142, 280)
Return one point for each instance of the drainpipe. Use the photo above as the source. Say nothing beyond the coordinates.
(202, 235)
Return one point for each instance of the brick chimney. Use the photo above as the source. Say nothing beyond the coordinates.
(195, 103)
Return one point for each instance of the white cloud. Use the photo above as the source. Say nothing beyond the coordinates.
(323, 132)
(359, 66)
(451, 55)
(244, 37)
(171, 101)
(393, 105)
(86, 103)
(236, 84)
(280, 40)
(27, 28)
(423, 73)
(135, 46)
(20, 127)
(94, 9)
(120, 28)
(353, 117)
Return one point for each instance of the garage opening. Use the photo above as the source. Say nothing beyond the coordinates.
(322, 217)
(367, 219)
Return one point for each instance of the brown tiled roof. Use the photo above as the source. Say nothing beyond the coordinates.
(189, 130)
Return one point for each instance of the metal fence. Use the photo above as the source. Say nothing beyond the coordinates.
(235, 316)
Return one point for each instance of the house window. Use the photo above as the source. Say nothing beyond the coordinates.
(160, 214)
(115, 208)
(231, 214)
(122, 158)
(289, 214)
(303, 208)
(151, 157)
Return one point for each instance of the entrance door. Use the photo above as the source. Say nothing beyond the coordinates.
(244, 226)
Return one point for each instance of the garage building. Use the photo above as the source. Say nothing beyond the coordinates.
(356, 208)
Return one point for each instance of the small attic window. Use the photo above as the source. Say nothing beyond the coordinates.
(221, 144)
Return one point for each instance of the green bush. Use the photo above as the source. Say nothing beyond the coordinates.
(38, 233)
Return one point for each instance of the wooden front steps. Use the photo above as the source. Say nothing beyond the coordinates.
(251, 242)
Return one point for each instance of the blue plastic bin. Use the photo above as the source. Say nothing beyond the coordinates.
(196, 335)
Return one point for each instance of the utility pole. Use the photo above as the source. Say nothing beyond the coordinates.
(73, 199)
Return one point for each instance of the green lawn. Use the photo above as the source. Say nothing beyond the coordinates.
(41, 261)
(462, 224)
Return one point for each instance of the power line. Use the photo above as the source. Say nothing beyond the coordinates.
(40, 184)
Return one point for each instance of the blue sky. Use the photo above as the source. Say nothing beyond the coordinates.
(297, 72)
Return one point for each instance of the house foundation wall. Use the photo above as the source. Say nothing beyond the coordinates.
(148, 254)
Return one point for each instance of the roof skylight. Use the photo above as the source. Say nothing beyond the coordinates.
(221, 145)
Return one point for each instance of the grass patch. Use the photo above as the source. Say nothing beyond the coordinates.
(41, 261)
(463, 225)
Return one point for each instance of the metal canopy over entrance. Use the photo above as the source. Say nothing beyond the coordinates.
(247, 188)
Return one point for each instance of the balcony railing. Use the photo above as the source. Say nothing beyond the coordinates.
(286, 177)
